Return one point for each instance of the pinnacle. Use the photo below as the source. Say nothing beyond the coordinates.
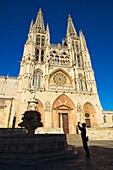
(69, 16)
(40, 10)
(70, 28)
(39, 20)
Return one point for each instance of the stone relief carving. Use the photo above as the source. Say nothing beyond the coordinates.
(47, 106)
(79, 107)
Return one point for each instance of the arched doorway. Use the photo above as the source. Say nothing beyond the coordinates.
(62, 109)
(89, 114)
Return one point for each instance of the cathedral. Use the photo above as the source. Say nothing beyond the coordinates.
(55, 79)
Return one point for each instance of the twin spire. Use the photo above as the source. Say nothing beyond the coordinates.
(70, 27)
(39, 21)
(39, 24)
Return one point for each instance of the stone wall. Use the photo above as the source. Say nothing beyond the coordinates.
(27, 149)
(8, 86)
(100, 133)
(107, 118)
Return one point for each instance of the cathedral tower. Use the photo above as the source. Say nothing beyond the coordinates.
(59, 77)
(57, 80)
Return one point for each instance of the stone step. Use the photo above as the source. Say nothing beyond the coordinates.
(73, 137)
(32, 159)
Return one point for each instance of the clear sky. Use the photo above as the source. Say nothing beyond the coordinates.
(93, 17)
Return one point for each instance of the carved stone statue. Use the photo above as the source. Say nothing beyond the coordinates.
(31, 121)
(47, 106)
(78, 107)
(32, 104)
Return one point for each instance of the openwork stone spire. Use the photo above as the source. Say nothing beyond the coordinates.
(39, 21)
(70, 27)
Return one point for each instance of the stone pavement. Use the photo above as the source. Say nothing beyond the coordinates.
(101, 159)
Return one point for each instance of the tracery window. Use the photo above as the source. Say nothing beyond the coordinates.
(75, 59)
(43, 41)
(78, 60)
(64, 53)
(59, 79)
(80, 84)
(38, 40)
(56, 60)
(42, 56)
(77, 48)
(37, 79)
(37, 54)
(75, 56)
(61, 59)
(54, 51)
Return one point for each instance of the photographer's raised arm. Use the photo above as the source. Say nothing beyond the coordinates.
(80, 128)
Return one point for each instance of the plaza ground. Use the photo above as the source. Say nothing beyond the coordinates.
(101, 159)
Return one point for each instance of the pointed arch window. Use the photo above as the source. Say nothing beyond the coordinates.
(78, 60)
(56, 60)
(43, 41)
(42, 55)
(37, 54)
(77, 48)
(75, 59)
(80, 84)
(37, 80)
(38, 40)
(75, 56)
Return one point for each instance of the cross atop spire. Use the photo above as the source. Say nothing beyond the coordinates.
(39, 21)
(70, 27)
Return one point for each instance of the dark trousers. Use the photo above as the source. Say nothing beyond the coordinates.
(86, 147)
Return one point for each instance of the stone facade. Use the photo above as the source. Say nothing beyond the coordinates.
(55, 79)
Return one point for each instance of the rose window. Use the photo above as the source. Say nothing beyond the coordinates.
(59, 79)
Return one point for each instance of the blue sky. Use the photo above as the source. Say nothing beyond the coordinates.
(94, 17)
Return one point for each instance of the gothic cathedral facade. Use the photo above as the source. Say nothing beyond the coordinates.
(55, 79)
